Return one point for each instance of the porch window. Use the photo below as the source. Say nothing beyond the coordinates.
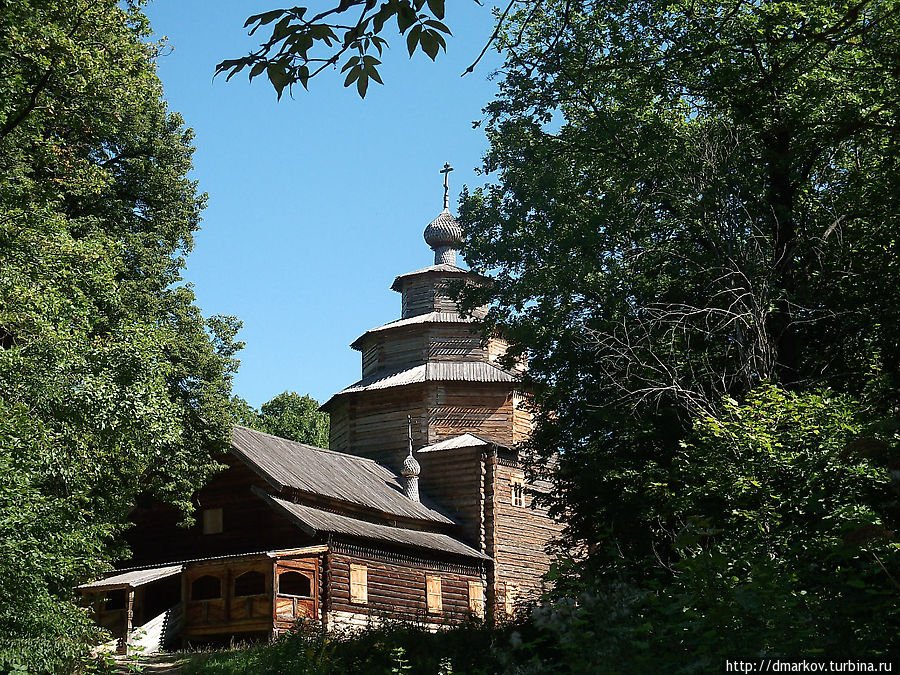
(249, 583)
(433, 592)
(294, 583)
(114, 600)
(476, 598)
(206, 587)
(359, 584)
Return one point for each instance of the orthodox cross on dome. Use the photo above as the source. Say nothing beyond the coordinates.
(443, 234)
(446, 171)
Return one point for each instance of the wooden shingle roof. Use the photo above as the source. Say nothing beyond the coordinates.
(324, 473)
(443, 268)
(433, 371)
(316, 521)
(430, 317)
(132, 578)
(461, 441)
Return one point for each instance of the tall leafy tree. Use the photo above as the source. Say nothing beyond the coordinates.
(695, 201)
(290, 416)
(111, 380)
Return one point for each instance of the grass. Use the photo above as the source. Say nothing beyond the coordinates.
(389, 649)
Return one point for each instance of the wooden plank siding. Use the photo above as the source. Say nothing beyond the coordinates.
(396, 588)
(249, 525)
(471, 407)
(520, 537)
(454, 480)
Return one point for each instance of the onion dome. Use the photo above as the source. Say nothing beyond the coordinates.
(410, 466)
(444, 235)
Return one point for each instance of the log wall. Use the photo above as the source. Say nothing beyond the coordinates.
(248, 524)
(470, 407)
(454, 480)
(520, 537)
(396, 588)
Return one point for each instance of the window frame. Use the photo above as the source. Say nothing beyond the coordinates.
(310, 579)
(234, 583)
(511, 595)
(212, 597)
(434, 600)
(359, 584)
(476, 598)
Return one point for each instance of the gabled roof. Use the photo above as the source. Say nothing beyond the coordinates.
(433, 371)
(315, 521)
(443, 268)
(325, 473)
(430, 317)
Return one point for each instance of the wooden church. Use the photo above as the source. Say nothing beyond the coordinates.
(419, 511)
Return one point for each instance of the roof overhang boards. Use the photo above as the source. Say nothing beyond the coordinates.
(131, 579)
(315, 522)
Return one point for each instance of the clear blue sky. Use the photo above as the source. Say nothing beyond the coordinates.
(316, 202)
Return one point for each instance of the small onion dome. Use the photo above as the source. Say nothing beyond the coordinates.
(444, 235)
(410, 466)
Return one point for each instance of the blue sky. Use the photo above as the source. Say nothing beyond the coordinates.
(316, 202)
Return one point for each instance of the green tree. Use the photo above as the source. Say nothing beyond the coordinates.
(111, 381)
(302, 44)
(691, 200)
(296, 418)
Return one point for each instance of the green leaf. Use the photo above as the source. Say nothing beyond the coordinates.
(406, 17)
(354, 73)
(430, 44)
(412, 38)
(438, 25)
(257, 69)
(352, 61)
(437, 8)
(263, 19)
(279, 77)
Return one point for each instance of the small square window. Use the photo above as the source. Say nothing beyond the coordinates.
(517, 490)
(359, 584)
(212, 521)
(433, 592)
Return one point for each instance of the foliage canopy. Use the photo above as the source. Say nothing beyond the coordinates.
(290, 416)
(111, 381)
(691, 232)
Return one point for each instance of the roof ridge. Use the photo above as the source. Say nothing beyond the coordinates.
(311, 447)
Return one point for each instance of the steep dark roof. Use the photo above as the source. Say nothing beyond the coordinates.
(315, 521)
(318, 472)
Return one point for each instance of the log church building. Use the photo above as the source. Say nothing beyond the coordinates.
(419, 510)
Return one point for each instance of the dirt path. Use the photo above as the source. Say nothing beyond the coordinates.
(159, 664)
